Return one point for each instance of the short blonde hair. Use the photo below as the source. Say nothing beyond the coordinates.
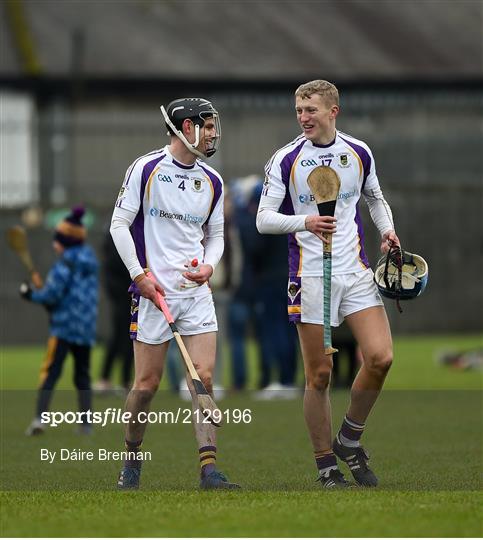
(327, 90)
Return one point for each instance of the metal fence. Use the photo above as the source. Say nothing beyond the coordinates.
(428, 152)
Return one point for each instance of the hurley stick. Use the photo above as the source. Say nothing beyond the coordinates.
(207, 405)
(324, 183)
(17, 240)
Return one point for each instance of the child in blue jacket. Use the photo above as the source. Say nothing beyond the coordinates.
(70, 294)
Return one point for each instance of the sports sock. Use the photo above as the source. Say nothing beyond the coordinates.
(133, 447)
(325, 462)
(350, 432)
(207, 459)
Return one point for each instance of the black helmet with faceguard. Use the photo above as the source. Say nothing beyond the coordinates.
(198, 110)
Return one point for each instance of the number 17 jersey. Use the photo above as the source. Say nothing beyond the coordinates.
(286, 179)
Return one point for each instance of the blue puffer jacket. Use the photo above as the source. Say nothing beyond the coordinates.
(71, 295)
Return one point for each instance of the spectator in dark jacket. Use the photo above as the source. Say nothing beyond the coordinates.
(70, 294)
(119, 345)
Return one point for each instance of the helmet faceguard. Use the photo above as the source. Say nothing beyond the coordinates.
(197, 110)
(401, 275)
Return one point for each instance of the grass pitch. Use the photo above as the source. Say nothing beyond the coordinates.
(424, 437)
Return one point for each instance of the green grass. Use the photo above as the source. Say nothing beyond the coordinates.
(292, 514)
(424, 437)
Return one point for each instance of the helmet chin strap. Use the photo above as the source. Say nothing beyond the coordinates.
(192, 147)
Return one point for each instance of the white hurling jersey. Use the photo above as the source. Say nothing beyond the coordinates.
(173, 202)
(286, 180)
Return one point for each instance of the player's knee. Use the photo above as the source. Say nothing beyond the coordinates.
(319, 379)
(149, 385)
(380, 363)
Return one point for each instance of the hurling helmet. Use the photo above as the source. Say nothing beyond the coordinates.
(401, 275)
(197, 110)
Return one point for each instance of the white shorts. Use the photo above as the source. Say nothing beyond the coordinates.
(191, 315)
(350, 293)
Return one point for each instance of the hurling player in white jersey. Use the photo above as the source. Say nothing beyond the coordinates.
(168, 213)
(287, 207)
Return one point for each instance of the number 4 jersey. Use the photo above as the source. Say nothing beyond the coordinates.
(173, 202)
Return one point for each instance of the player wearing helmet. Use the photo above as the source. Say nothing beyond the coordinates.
(196, 110)
(170, 211)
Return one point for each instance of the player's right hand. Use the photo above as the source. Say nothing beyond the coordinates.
(320, 225)
(149, 289)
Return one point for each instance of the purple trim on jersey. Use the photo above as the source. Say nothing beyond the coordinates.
(135, 296)
(137, 227)
(217, 190)
(360, 231)
(136, 162)
(365, 158)
(293, 255)
(324, 145)
(287, 208)
(147, 170)
(137, 233)
(181, 166)
(287, 163)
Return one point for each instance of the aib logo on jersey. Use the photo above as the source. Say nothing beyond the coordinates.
(308, 163)
(165, 178)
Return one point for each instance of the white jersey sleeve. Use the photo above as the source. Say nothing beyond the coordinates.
(269, 219)
(214, 243)
(129, 195)
(379, 210)
(127, 206)
(214, 237)
(121, 235)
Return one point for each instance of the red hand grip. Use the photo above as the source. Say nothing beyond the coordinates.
(161, 300)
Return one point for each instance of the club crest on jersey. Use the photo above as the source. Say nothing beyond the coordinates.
(198, 185)
(344, 160)
(134, 305)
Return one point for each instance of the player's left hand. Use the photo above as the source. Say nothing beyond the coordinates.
(202, 276)
(25, 291)
(36, 279)
(389, 239)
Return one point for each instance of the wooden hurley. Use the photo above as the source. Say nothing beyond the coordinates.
(206, 403)
(17, 240)
(324, 183)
